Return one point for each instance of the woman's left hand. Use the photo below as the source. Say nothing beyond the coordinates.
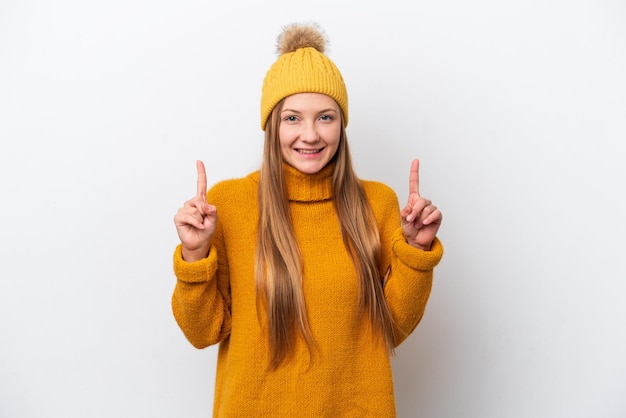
(420, 218)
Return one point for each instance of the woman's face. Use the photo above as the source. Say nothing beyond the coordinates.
(310, 130)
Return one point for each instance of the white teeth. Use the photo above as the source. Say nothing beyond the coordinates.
(308, 151)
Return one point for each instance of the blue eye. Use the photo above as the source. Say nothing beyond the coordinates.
(291, 118)
(326, 117)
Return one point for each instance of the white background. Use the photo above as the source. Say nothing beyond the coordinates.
(517, 111)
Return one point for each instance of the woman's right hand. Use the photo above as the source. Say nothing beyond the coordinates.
(196, 221)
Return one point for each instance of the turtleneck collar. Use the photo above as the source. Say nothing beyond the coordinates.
(303, 187)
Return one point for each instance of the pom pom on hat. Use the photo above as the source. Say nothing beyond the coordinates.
(296, 36)
(302, 67)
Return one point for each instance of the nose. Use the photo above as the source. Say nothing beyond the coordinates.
(309, 133)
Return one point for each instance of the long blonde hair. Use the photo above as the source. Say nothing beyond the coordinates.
(278, 263)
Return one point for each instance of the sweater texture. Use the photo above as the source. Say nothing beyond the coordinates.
(348, 373)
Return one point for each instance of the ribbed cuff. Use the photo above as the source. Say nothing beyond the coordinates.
(197, 271)
(414, 257)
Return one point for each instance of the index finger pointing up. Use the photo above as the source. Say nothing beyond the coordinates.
(201, 179)
(414, 178)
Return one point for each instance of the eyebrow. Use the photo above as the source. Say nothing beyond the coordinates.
(330, 109)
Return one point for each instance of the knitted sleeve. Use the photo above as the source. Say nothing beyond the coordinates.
(409, 270)
(409, 283)
(201, 299)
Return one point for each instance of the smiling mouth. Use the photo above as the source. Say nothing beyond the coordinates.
(308, 151)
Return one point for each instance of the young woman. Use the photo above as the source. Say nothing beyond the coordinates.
(311, 276)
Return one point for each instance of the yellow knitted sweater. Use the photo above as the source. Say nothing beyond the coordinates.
(349, 373)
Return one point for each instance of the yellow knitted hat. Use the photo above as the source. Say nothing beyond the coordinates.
(302, 67)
